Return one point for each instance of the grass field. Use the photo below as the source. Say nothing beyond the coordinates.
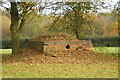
(107, 49)
(60, 71)
(112, 51)
(5, 51)
(106, 70)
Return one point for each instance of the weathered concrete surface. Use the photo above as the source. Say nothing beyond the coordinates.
(49, 46)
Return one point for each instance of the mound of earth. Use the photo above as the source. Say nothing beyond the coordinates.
(54, 37)
(63, 57)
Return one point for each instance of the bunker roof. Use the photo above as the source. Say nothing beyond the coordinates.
(55, 37)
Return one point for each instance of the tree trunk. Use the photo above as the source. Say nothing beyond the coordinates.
(76, 24)
(15, 38)
(15, 42)
(77, 35)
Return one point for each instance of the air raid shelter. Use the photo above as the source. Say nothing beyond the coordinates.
(58, 42)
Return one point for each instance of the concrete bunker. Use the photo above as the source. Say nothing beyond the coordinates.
(59, 42)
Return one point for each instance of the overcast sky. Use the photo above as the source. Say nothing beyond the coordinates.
(101, 10)
(112, 5)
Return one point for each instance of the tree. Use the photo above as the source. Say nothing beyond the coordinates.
(75, 16)
(15, 39)
(18, 11)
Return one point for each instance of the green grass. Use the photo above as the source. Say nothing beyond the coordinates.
(5, 51)
(112, 51)
(61, 71)
(107, 49)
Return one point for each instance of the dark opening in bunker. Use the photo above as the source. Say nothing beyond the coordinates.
(67, 46)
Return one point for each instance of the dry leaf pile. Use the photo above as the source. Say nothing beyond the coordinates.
(54, 37)
(65, 57)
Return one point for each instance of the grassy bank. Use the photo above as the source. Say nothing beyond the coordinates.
(112, 51)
